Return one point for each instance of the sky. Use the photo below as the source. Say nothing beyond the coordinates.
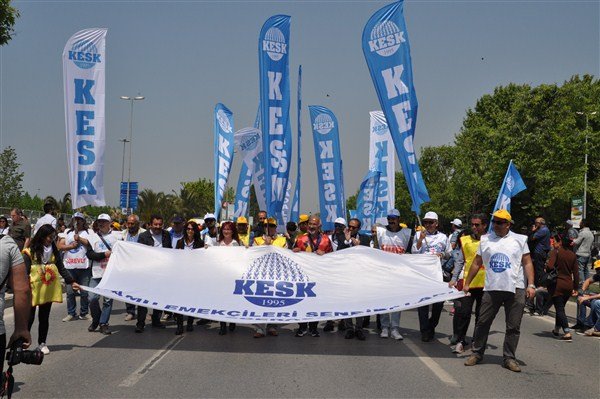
(186, 56)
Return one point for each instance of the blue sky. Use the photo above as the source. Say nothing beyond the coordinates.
(187, 56)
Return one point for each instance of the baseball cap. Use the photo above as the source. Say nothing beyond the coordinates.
(432, 216)
(394, 213)
(79, 215)
(209, 216)
(116, 225)
(104, 216)
(177, 219)
(457, 222)
(340, 221)
(597, 264)
(502, 214)
(303, 218)
(241, 220)
(271, 221)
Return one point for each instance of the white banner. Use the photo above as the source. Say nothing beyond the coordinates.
(248, 140)
(382, 157)
(271, 284)
(84, 64)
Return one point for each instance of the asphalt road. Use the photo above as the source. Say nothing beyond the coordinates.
(158, 364)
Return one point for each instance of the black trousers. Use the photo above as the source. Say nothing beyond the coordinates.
(426, 323)
(179, 319)
(312, 326)
(142, 312)
(463, 308)
(561, 320)
(43, 321)
(2, 351)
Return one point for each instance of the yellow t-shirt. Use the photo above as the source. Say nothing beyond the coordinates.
(469, 248)
(279, 241)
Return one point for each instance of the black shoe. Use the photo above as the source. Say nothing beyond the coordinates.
(360, 335)
(328, 326)
(222, 330)
(342, 325)
(300, 332)
(426, 336)
(366, 322)
(179, 329)
(190, 327)
(314, 334)
(349, 334)
(577, 327)
(202, 322)
(92, 327)
(139, 328)
(158, 325)
(104, 329)
(231, 326)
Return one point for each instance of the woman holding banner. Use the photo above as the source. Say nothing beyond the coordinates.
(228, 237)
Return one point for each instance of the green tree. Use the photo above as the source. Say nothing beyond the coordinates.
(8, 17)
(11, 180)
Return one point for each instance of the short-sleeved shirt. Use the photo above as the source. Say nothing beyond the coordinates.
(75, 258)
(98, 245)
(436, 243)
(10, 256)
(20, 231)
(393, 241)
(46, 219)
(502, 258)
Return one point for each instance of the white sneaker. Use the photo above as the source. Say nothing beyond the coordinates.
(85, 317)
(70, 318)
(384, 333)
(459, 348)
(43, 348)
(396, 334)
(129, 317)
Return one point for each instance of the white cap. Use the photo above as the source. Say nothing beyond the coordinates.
(431, 216)
(457, 222)
(394, 213)
(209, 216)
(79, 215)
(340, 221)
(104, 216)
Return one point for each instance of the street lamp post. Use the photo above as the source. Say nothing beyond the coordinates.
(131, 100)
(124, 141)
(587, 126)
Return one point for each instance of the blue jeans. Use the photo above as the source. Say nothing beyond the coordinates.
(584, 274)
(596, 313)
(82, 277)
(385, 320)
(98, 316)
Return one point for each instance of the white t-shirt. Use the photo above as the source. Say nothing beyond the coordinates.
(98, 245)
(231, 244)
(4, 231)
(46, 219)
(395, 242)
(174, 238)
(209, 241)
(502, 258)
(75, 258)
(434, 244)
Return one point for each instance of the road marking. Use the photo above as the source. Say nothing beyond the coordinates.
(137, 375)
(432, 365)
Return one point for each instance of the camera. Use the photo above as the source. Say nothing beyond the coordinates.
(16, 354)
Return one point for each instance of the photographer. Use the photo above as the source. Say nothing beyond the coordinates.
(13, 273)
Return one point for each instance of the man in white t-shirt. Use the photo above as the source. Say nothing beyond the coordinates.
(48, 218)
(432, 242)
(394, 239)
(507, 262)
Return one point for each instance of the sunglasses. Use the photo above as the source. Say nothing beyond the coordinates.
(499, 222)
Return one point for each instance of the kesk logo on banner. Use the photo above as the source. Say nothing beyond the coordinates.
(270, 284)
(273, 54)
(382, 158)
(249, 143)
(224, 143)
(387, 52)
(367, 201)
(295, 213)
(329, 164)
(84, 65)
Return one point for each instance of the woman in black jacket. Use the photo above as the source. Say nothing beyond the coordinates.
(40, 258)
(190, 240)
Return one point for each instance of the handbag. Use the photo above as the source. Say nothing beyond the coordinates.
(550, 278)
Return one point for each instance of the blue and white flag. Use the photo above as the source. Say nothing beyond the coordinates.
(286, 210)
(248, 142)
(329, 165)
(242, 192)
(224, 144)
(511, 186)
(273, 54)
(382, 157)
(295, 214)
(84, 65)
(387, 52)
(367, 201)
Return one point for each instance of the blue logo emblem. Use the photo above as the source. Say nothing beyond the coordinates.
(274, 281)
(323, 123)
(84, 54)
(499, 262)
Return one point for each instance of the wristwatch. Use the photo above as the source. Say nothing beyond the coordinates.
(531, 286)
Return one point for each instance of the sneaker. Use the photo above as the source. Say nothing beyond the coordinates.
(349, 334)
(129, 317)
(472, 360)
(104, 329)
(139, 328)
(43, 348)
(165, 317)
(328, 326)
(300, 333)
(567, 338)
(315, 334)
(70, 317)
(396, 334)
(453, 340)
(459, 348)
(85, 317)
(92, 327)
(512, 365)
(360, 335)
(385, 333)
(592, 332)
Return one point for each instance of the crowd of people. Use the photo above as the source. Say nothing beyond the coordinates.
(494, 266)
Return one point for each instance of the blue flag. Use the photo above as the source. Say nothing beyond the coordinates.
(366, 203)
(242, 192)
(295, 214)
(387, 52)
(511, 186)
(273, 54)
(329, 165)
(224, 143)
